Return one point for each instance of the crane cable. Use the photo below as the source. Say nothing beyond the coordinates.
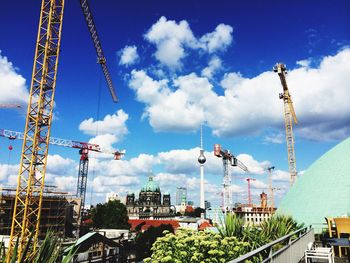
(96, 132)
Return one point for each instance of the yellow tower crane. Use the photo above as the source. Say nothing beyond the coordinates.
(31, 176)
(289, 117)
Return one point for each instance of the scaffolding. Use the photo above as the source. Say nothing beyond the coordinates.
(58, 213)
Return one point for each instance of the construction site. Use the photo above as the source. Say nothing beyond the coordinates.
(31, 210)
(59, 213)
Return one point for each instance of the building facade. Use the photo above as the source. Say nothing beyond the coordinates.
(181, 196)
(254, 215)
(150, 203)
(112, 197)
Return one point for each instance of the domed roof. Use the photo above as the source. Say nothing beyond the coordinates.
(150, 186)
(323, 190)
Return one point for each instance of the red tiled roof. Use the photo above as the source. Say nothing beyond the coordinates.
(87, 221)
(147, 223)
(204, 225)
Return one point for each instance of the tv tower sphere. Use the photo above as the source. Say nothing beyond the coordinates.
(201, 158)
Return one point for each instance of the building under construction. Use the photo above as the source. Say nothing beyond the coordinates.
(59, 213)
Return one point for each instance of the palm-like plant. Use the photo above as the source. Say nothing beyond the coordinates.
(50, 251)
(232, 226)
(278, 226)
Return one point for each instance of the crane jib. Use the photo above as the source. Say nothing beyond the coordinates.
(97, 44)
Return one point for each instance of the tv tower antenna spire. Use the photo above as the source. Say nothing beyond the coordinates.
(201, 160)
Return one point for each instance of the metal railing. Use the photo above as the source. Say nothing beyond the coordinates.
(294, 245)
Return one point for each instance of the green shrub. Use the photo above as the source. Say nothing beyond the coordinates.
(189, 246)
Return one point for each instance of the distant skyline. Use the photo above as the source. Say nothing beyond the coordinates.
(175, 66)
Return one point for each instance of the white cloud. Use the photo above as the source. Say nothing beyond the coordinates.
(114, 124)
(214, 65)
(251, 105)
(66, 183)
(304, 63)
(56, 164)
(280, 175)
(105, 141)
(277, 138)
(7, 171)
(172, 39)
(165, 109)
(258, 184)
(219, 39)
(254, 166)
(111, 130)
(12, 85)
(178, 167)
(129, 55)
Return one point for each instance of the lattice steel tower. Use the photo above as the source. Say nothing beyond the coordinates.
(31, 177)
(289, 117)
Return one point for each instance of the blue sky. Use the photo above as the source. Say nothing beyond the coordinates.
(176, 65)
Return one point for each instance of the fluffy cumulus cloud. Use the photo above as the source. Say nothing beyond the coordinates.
(8, 171)
(254, 166)
(12, 85)
(58, 165)
(172, 40)
(251, 105)
(213, 66)
(128, 56)
(113, 124)
(218, 40)
(110, 130)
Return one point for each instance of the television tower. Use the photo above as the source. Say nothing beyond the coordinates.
(201, 160)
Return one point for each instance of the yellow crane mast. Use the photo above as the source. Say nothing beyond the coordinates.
(289, 117)
(31, 176)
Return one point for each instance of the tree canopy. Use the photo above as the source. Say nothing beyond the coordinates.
(110, 215)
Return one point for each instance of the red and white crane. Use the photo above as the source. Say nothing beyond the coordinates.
(249, 193)
(227, 158)
(84, 149)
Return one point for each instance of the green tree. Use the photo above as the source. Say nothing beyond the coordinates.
(189, 246)
(145, 240)
(110, 215)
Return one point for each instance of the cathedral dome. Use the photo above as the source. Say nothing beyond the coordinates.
(150, 186)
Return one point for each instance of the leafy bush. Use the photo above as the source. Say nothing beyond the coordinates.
(189, 246)
(234, 239)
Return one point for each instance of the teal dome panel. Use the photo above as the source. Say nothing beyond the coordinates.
(323, 190)
(150, 186)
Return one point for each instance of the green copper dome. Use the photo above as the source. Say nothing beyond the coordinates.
(323, 190)
(150, 186)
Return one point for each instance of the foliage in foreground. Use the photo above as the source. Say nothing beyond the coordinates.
(234, 239)
(196, 247)
(145, 240)
(50, 251)
(233, 226)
